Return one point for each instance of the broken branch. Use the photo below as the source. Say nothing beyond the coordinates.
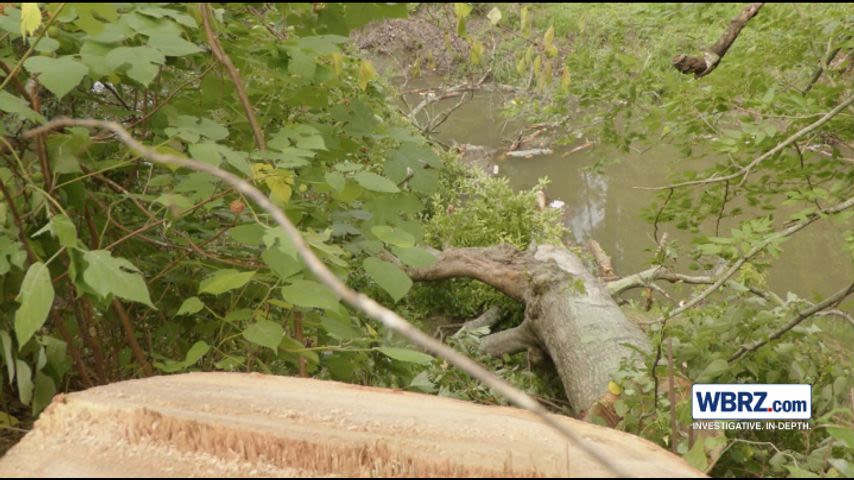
(701, 67)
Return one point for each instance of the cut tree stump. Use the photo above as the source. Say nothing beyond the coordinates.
(236, 424)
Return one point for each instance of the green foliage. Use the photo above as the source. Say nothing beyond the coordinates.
(624, 92)
(120, 249)
(140, 265)
(487, 209)
(443, 380)
(476, 211)
(702, 343)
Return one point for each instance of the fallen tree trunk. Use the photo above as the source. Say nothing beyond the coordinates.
(232, 424)
(569, 314)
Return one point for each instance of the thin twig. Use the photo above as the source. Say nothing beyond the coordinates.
(225, 60)
(755, 250)
(829, 303)
(745, 171)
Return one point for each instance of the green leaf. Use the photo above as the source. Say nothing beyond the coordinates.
(31, 18)
(405, 355)
(414, 256)
(281, 263)
(422, 383)
(224, 280)
(797, 472)
(335, 180)
(25, 381)
(191, 129)
(11, 253)
(304, 137)
(494, 16)
(310, 294)
(292, 346)
(59, 75)
(367, 73)
(194, 354)
(843, 434)
(190, 306)
(173, 45)
(18, 106)
(143, 62)
(43, 391)
(206, 152)
(85, 16)
(339, 328)
(56, 352)
(251, 234)
(462, 10)
(393, 236)
(277, 238)
(696, 457)
(7, 354)
(64, 230)
(114, 275)
(388, 277)
(36, 299)
(713, 370)
(265, 333)
(301, 64)
(376, 183)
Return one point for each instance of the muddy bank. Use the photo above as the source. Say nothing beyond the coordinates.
(420, 43)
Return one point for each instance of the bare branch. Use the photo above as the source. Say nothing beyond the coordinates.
(509, 341)
(836, 313)
(701, 67)
(658, 272)
(486, 319)
(824, 65)
(722, 279)
(606, 267)
(828, 304)
(356, 300)
(225, 60)
(492, 265)
(745, 171)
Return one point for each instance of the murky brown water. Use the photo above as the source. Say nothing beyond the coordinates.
(607, 207)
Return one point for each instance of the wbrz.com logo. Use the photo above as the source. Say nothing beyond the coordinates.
(751, 402)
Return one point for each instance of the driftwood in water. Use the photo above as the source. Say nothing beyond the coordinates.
(533, 152)
(238, 424)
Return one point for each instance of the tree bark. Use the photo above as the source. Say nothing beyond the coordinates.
(569, 314)
(701, 67)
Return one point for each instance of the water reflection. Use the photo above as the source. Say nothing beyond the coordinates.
(587, 210)
(607, 207)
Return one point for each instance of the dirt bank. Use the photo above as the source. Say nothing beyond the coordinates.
(423, 41)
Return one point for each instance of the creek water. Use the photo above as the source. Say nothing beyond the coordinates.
(607, 206)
